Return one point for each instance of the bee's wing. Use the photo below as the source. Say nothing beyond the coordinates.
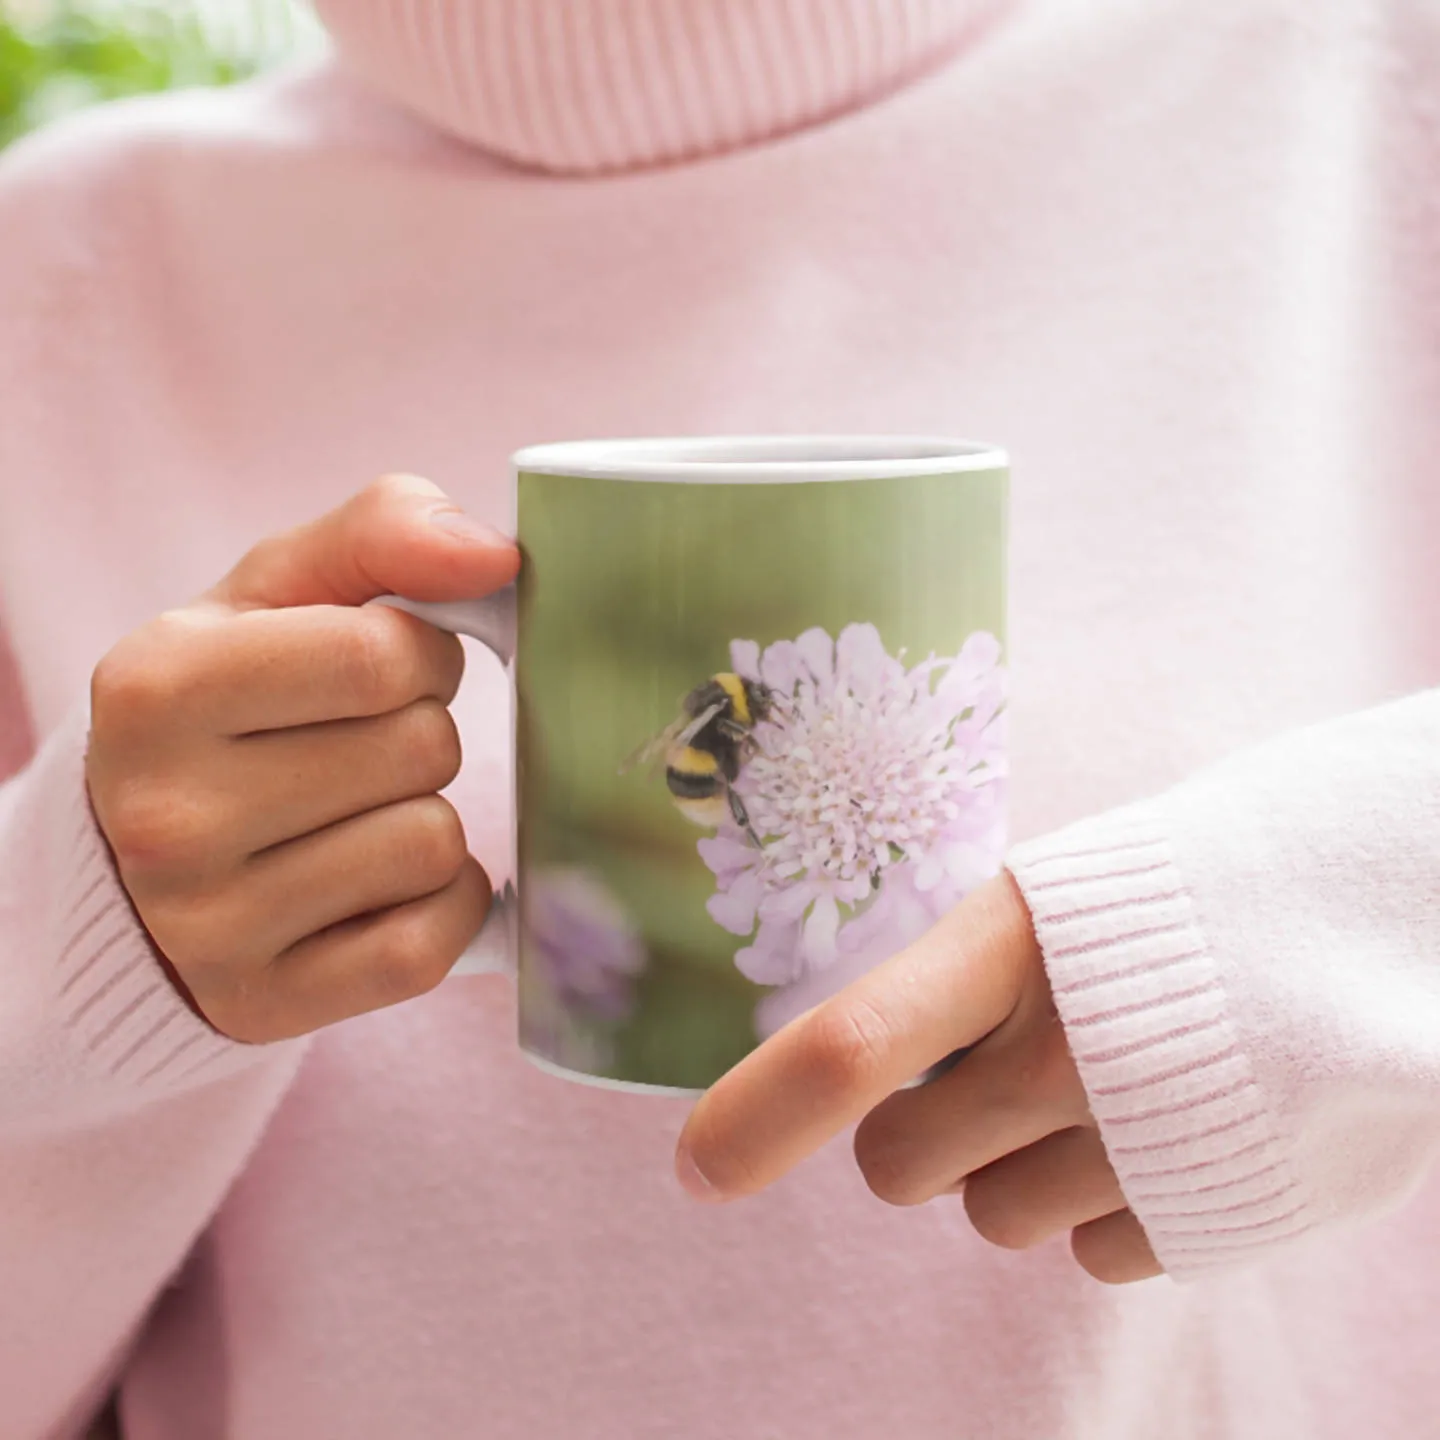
(679, 732)
(685, 734)
(650, 751)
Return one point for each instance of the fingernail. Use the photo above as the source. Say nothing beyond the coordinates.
(457, 522)
(691, 1180)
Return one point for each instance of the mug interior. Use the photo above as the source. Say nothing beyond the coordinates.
(761, 458)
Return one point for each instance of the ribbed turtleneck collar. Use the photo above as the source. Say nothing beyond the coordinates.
(585, 86)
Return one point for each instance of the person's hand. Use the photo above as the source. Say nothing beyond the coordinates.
(264, 763)
(1007, 1128)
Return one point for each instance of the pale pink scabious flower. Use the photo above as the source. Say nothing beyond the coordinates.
(588, 948)
(877, 791)
(583, 955)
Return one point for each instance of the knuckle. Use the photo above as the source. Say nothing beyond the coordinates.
(154, 826)
(202, 939)
(192, 933)
(435, 842)
(216, 928)
(252, 1021)
(1114, 1249)
(240, 1019)
(844, 1049)
(374, 660)
(1097, 1256)
(996, 1217)
(378, 503)
(474, 891)
(410, 961)
(136, 683)
(383, 490)
(888, 1176)
(448, 666)
(171, 923)
(429, 735)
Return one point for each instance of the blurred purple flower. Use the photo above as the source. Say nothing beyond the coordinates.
(877, 793)
(584, 945)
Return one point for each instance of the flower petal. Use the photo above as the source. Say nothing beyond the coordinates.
(774, 958)
(981, 650)
(879, 789)
(900, 915)
(929, 869)
(973, 674)
(791, 902)
(745, 658)
(817, 651)
(734, 909)
(855, 890)
(585, 945)
(821, 927)
(781, 667)
(861, 661)
(727, 857)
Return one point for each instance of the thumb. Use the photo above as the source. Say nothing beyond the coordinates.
(401, 535)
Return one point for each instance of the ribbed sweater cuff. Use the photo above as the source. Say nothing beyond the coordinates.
(1184, 1121)
(108, 991)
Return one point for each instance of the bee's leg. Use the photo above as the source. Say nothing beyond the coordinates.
(742, 817)
(732, 729)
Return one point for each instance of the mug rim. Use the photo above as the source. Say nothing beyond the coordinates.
(759, 459)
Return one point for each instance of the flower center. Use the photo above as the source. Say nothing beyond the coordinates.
(844, 787)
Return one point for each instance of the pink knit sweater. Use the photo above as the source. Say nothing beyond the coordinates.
(1183, 259)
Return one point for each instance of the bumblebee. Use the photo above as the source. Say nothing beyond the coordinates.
(706, 744)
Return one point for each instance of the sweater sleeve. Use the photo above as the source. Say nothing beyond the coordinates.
(1248, 970)
(90, 1025)
(123, 1117)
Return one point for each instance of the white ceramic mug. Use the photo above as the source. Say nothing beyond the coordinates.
(759, 692)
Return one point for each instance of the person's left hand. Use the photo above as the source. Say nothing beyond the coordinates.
(1008, 1127)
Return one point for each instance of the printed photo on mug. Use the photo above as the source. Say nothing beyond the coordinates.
(761, 690)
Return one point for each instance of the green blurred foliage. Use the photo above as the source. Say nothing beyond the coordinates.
(58, 57)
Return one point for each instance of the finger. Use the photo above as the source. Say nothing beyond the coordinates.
(825, 1069)
(203, 673)
(1114, 1249)
(367, 863)
(283, 784)
(277, 669)
(381, 541)
(1012, 1090)
(1057, 1183)
(361, 964)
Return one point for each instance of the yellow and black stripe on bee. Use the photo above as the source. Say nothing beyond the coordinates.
(706, 745)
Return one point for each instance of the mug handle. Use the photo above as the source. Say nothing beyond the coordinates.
(490, 619)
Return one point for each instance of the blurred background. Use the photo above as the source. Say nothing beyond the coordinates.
(59, 55)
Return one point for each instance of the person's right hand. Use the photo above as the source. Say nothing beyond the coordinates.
(264, 763)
